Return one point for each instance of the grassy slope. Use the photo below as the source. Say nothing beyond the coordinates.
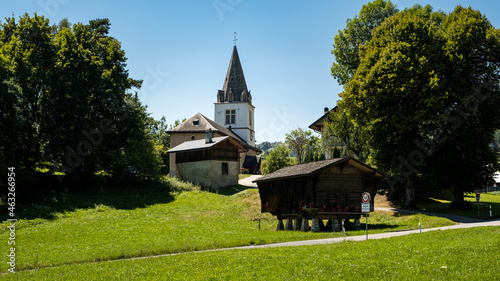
(437, 255)
(87, 228)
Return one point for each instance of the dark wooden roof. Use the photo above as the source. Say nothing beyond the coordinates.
(313, 168)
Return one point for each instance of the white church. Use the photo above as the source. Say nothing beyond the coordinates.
(209, 152)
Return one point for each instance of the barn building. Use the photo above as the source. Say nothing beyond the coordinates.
(323, 190)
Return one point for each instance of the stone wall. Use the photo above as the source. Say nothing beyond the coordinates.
(209, 173)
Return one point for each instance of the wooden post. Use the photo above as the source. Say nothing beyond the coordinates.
(315, 225)
(296, 225)
(304, 226)
(280, 225)
(336, 225)
(357, 224)
(289, 224)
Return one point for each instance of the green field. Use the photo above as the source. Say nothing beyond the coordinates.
(87, 228)
(486, 200)
(436, 255)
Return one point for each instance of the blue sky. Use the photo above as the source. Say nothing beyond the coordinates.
(181, 49)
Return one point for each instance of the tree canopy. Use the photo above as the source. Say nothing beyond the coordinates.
(298, 140)
(277, 159)
(65, 101)
(424, 91)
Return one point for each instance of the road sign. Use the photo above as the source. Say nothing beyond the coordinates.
(366, 197)
(366, 207)
(478, 194)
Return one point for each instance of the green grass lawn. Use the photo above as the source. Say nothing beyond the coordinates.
(436, 255)
(486, 200)
(96, 227)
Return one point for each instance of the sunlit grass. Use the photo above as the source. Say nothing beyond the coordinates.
(465, 254)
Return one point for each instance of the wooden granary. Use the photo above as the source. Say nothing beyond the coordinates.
(324, 190)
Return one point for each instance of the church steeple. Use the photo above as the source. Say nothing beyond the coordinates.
(234, 109)
(235, 82)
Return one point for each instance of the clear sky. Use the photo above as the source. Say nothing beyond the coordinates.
(181, 49)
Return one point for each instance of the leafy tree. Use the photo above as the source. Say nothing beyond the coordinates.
(472, 50)
(314, 150)
(358, 30)
(277, 159)
(65, 87)
(417, 62)
(298, 141)
(340, 131)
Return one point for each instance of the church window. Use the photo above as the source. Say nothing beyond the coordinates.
(250, 118)
(230, 116)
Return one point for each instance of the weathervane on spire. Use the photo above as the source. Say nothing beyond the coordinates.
(235, 38)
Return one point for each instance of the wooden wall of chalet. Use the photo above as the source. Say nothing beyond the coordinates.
(334, 186)
(337, 186)
(224, 151)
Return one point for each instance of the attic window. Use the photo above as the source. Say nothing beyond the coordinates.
(196, 122)
(192, 137)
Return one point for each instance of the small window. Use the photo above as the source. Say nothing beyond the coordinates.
(230, 116)
(196, 122)
(192, 137)
(250, 118)
(225, 168)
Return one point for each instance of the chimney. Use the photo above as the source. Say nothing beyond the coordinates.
(326, 110)
(209, 136)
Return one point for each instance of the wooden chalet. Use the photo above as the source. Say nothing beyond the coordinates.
(323, 190)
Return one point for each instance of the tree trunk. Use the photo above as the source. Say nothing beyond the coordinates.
(458, 199)
(410, 194)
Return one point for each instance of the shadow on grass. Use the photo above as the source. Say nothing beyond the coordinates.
(45, 206)
(486, 200)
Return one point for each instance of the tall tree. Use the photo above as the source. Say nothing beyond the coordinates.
(433, 68)
(399, 73)
(472, 51)
(68, 87)
(358, 30)
(298, 140)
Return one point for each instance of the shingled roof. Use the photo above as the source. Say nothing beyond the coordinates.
(312, 168)
(201, 124)
(200, 144)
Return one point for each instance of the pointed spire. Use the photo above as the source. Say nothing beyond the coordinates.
(235, 80)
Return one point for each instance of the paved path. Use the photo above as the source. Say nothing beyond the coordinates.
(339, 239)
(370, 236)
(248, 181)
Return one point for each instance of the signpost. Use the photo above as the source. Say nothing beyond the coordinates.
(366, 207)
(478, 195)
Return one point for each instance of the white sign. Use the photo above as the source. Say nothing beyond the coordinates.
(365, 207)
(366, 198)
